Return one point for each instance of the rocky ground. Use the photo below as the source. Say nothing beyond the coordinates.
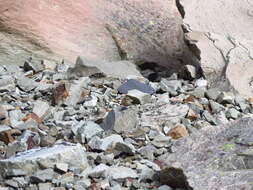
(78, 128)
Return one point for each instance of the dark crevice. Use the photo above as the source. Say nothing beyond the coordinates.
(180, 8)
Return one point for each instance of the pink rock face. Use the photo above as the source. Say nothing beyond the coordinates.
(142, 30)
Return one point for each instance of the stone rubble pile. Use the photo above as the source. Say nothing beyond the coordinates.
(96, 131)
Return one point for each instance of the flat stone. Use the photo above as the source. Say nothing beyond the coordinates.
(139, 97)
(30, 161)
(61, 167)
(84, 131)
(120, 120)
(99, 171)
(209, 118)
(212, 93)
(161, 141)
(125, 148)
(45, 186)
(106, 143)
(120, 173)
(26, 84)
(215, 107)
(41, 108)
(43, 176)
(232, 113)
(135, 85)
(198, 92)
(171, 86)
(7, 84)
(201, 83)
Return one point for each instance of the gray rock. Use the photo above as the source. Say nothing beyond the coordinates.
(165, 187)
(75, 91)
(35, 66)
(215, 107)
(197, 168)
(26, 84)
(3, 114)
(15, 117)
(209, 118)
(132, 84)
(41, 108)
(106, 143)
(121, 147)
(171, 86)
(7, 84)
(232, 113)
(212, 93)
(226, 98)
(191, 71)
(198, 92)
(120, 173)
(242, 103)
(120, 120)
(121, 69)
(161, 141)
(84, 131)
(45, 186)
(99, 171)
(139, 97)
(61, 167)
(43, 176)
(30, 161)
(144, 172)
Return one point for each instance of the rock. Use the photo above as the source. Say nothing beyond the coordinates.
(241, 102)
(120, 173)
(164, 187)
(43, 176)
(60, 93)
(3, 114)
(198, 92)
(124, 148)
(30, 161)
(209, 118)
(120, 120)
(161, 141)
(45, 186)
(26, 84)
(212, 93)
(7, 84)
(171, 86)
(99, 171)
(178, 132)
(139, 97)
(132, 84)
(41, 108)
(191, 72)
(75, 91)
(226, 98)
(31, 65)
(192, 169)
(149, 25)
(106, 143)
(61, 167)
(85, 67)
(201, 83)
(84, 131)
(232, 113)
(215, 107)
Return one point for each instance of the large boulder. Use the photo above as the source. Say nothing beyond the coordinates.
(219, 34)
(216, 158)
(108, 30)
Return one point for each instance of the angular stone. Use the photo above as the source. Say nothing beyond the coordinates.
(26, 84)
(191, 72)
(209, 118)
(161, 141)
(201, 83)
(3, 114)
(212, 93)
(139, 97)
(7, 84)
(170, 86)
(215, 107)
(45, 186)
(75, 91)
(232, 113)
(132, 84)
(34, 66)
(84, 131)
(61, 167)
(196, 169)
(59, 93)
(226, 98)
(178, 132)
(120, 120)
(99, 171)
(106, 143)
(41, 108)
(43, 176)
(30, 161)
(120, 173)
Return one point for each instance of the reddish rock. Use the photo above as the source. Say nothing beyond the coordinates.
(178, 132)
(59, 93)
(142, 30)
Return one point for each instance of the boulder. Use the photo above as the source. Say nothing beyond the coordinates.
(216, 158)
(99, 30)
(223, 51)
(33, 160)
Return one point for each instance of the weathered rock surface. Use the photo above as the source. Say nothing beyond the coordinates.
(99, 30)
(223, 50)
(216, 158)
